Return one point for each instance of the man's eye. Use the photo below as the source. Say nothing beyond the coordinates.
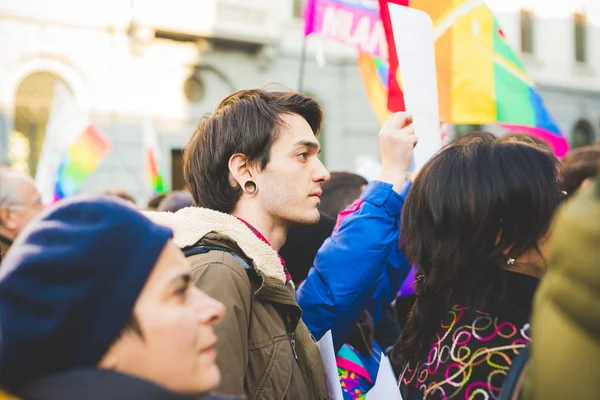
(303, 156)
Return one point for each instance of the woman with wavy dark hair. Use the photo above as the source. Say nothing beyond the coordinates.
(474, 224)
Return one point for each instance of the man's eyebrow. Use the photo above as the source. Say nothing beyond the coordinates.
(309, 144)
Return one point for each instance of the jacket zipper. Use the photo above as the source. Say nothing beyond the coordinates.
(293, 343)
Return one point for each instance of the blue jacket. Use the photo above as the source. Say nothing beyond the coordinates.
(359, 267)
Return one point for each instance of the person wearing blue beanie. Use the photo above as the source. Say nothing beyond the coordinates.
(96, 302)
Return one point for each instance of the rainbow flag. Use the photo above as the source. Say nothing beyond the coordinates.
(80, 160)
(154, 179)
(481, 80)
(375, 72)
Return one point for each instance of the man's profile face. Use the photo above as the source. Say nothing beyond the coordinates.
(290, 185)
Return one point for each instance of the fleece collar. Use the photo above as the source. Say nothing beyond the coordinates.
(191, 224)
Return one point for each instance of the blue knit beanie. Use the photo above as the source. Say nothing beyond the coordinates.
(69, 284)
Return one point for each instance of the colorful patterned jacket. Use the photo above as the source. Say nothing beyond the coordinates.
(473, 349)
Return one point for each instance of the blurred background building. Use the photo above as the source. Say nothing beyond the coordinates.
(133, 65)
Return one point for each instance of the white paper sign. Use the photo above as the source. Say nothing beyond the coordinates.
(331, 373)
(386, 384)
(415, 46)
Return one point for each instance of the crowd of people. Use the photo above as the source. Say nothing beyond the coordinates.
(222, 291)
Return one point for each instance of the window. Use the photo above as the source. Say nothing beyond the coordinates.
(33, 105)
(177, 181)
(298, 8)
(527, 20)
(580, 36)
(583, 134)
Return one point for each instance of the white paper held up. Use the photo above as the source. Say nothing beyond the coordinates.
(415, 46)
(331, 373)
(386, 384)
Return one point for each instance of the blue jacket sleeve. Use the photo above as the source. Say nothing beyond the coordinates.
(351, 264)
(397, 270)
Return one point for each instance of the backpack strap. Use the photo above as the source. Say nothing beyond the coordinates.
(245, 262)
(511, 388)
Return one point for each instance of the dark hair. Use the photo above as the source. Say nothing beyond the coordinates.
(341, 190)
(478, 202)
(528, 139)
(175, 201)
(122, 194)
(579, 165)
(246, 122)
(155, 201)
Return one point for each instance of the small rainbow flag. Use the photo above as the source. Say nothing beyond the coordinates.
(481, 80)
(154, 179)
(80, 160)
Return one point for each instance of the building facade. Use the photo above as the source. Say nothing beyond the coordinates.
(150, 64)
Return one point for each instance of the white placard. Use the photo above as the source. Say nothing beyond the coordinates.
(331, 373)
(386, 384)
(415, 46)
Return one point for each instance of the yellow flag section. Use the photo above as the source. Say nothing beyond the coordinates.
(472, 34)
(5, 396)
(463, 29)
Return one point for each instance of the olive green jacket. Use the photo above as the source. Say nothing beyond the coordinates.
(565, 352)
(264, 350)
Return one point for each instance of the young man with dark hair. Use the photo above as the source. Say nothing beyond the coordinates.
(253, 170)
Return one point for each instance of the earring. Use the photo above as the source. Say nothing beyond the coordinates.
(250, 187)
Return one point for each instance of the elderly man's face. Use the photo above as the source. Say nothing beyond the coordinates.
(28, 203)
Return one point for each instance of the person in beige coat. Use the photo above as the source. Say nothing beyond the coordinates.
(253, 170)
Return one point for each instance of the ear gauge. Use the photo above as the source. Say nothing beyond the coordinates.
(250, 187)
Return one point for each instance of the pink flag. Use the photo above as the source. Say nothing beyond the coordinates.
(558, 143)
(352, 22)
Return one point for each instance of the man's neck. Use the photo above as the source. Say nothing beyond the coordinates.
(275, 233)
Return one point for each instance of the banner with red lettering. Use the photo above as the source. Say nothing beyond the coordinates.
(356, 23)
